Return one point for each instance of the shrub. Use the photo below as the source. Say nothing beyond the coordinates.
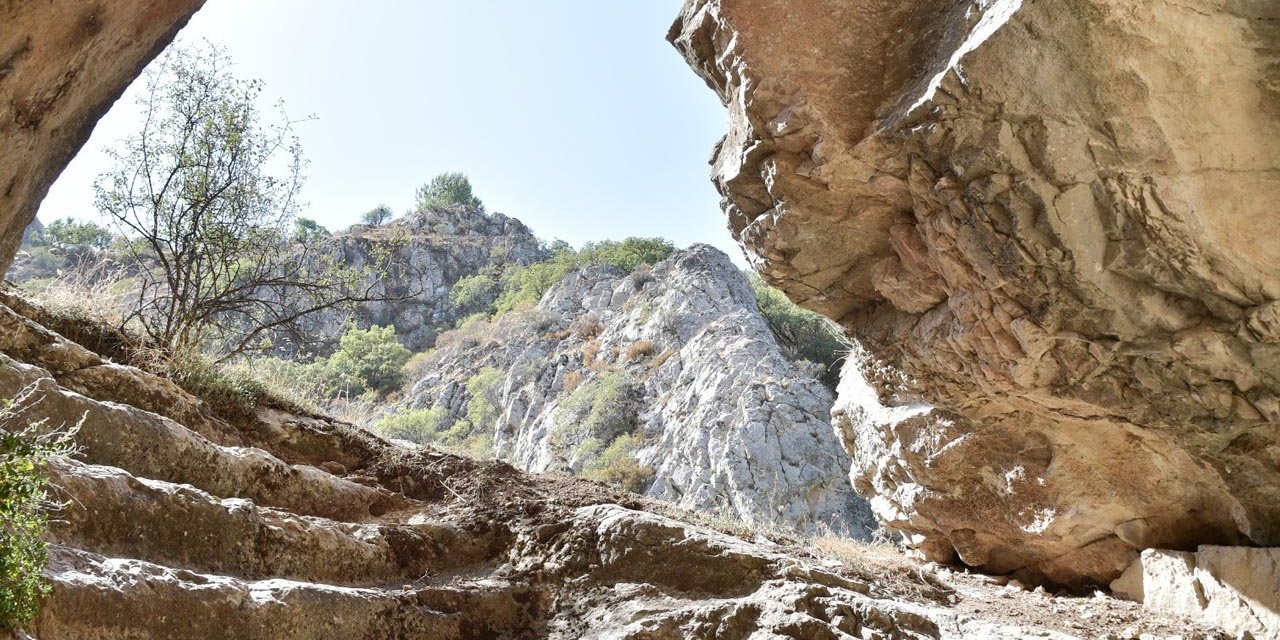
(628, 255)
(448, 189)
(603, 408)
(526, 285)
(638, 349)
(415, 425)
(590, 351)
(367, 360)
(803, 334)
(617, 465)
(572, 380)
(67, 233)
(483, 389)
(24, 507)
(378, 215)
(474, 294)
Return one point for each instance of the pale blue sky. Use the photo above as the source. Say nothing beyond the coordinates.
(575, 116)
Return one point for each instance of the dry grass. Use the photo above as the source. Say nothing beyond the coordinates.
(639, 349)
(572, 380)
(590, 352)
(881, 564)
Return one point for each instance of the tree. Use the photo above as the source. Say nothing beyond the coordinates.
(448, 189)
(205, 195)
(368, 360)
(378, 215)
(307, 230)
(68, 233)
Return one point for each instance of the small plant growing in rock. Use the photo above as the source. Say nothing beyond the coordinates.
(24, 509)
(617, 465)
(639, 349)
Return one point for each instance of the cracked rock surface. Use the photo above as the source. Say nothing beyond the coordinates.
(1049, 227)
(728, 424)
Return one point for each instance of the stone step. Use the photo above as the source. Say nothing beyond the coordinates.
(152, 446)
(111, 512)
(105, 598)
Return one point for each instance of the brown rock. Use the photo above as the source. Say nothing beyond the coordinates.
(62, 64)
(1049, 221)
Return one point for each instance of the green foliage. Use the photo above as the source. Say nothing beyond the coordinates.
(234, 395)
(617, 465)
(525, 286)
(367, 360)
(378, 215)
(415, 425)
(67, 233)
(472, 434)
(804, 334)
(308, 230)
(448, 189)
(628, 255)
(474, 294)
(603, 408)
(483, 389)
(24, 506)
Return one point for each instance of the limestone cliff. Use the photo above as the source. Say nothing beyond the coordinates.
(1048, 226)
(678, 369)
(62, 64)
(412, 263)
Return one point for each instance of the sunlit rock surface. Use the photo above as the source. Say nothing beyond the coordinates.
(62, 64)
(1053, 223)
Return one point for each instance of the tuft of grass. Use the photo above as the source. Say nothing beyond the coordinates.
(639, 349)
(24, 513)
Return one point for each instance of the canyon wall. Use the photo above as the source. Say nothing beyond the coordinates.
(62, 65)
(1047, 226)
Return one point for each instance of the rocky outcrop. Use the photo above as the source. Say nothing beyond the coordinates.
(1046, 224)
(178, 523)
(676, 367)
(62, 64)
(1234, 588)
(408, 267)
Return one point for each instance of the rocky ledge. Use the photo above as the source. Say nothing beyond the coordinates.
(1047, 224)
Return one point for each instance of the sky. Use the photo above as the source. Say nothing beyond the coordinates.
(575, 116)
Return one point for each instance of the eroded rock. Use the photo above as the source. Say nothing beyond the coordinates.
(62, 65)
(1049, 221)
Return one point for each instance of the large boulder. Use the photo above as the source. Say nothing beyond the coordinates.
(62, 65)
(1047, 225)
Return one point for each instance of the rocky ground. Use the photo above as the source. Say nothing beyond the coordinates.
(182, 524)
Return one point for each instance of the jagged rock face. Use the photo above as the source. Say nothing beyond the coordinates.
(1050, 222)
(729, 424)
(411, 264)
(62, 64)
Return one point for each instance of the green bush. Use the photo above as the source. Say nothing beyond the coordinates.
(367, 360)
(603, 408)
(474, 294)
(523, 286)
(67, 233)
(415, 425)
(617, 465)
(378, 215)
(448, 189)
(803, 334)
(24, 506)
(628, 255)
